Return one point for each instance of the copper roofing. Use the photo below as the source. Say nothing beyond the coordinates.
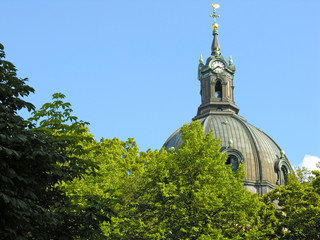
(259, 151)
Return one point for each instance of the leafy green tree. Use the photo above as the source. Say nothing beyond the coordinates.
(25, 163)
(298, 210)
(71, 136)
(316, 180)
(110, 186)
(76, 218)
(188, 193)
(304, 175)
(35, 160)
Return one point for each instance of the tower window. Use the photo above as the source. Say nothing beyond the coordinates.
(218, 90)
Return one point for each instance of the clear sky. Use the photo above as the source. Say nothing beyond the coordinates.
(130, 67)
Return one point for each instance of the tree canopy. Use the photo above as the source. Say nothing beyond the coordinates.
(25, 168)
(58, 182)
(34, 160)
(186, 193)
(298, 207)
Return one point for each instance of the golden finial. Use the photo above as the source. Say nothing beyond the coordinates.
(214, 15)
(230, 60)
(215, 26)
(201, 59)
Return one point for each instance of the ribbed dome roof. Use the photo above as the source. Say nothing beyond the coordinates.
(260, 154)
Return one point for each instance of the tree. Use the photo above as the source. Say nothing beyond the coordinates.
(298, 210)
(35, 160)
(110, 187)
(188, 193)
(57, 182)
(25, 162)
(316, 180)
(79, 214)
(304, 175)
(71, 137)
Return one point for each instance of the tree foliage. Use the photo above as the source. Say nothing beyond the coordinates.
(187, 193)
(109, 189)
(71, 136)
(25, 167)
(304, 175)
(34, 160)
(57, 182)
(316, 180)
(77, 219)
(298, 210)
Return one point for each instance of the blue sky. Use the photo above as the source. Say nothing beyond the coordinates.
(130, 67)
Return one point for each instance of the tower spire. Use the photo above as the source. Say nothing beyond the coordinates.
(215, 47)
(216, 79)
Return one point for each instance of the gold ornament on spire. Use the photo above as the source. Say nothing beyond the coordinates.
(230, 60)
(214, 15)
(215, 26)
(201, 59)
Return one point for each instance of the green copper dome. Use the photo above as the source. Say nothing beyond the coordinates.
(265, 167)
(265, 163)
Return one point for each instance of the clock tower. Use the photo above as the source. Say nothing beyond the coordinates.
(216, 79)
(265, 163)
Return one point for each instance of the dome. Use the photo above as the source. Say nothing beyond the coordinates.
(265, 165)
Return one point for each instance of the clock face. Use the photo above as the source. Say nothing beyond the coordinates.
(217, 66)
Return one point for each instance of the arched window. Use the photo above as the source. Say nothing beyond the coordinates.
(234, 158)
(233, 161)
(284, 175)
(282, 169)
(218, 90)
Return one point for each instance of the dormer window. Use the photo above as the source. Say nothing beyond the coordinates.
(233, 161)
(235, 158)
(284, 175)
(282, 169)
